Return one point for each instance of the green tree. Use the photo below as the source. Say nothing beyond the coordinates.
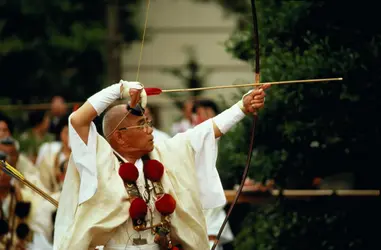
(309, 130)
(51, 47)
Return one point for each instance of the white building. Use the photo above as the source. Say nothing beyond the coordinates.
(173, 25)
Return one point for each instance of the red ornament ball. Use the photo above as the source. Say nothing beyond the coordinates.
(153, 170)
(138, 209)
(128, 172)
(165, 204)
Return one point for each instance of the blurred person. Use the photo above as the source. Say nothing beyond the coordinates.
(17, 204)
(52, 167)
(21, 162)
(186, 121)
(43, 221)
(6, 126)
(16, 209)
(48, 148)
(36, 217)
(52, 147)
(157, 134)
(106, 194)
(31, 140)
(58, 109)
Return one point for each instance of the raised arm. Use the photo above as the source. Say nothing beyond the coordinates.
(250, 103)
(97, 103)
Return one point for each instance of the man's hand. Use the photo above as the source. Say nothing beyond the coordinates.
(255, 100)
(136, 92)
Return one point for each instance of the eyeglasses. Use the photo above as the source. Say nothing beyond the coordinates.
(147, 124)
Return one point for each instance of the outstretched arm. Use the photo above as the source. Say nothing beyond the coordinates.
(250, 103)
(96, 104)
(203, 141)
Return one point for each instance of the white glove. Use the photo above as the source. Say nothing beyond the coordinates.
(134, 85)
(101, 100)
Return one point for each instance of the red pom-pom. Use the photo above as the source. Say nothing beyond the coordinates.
(175, 248)
(165, 204)
(138, 208)
(153, 170)
(128, 172)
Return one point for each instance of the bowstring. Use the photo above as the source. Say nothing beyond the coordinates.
(139, 62)
(142, 45)
(143, 39)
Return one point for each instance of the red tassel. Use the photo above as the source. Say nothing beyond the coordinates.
(128, 172)
(138, 208)
(153, 170)
(165, 204)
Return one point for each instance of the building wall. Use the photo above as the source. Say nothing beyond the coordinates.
(172, 26)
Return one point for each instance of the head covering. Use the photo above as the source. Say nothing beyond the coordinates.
(138, 110)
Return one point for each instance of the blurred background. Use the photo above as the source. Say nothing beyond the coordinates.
(54, 54)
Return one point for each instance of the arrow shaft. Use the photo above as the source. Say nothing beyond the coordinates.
(250, 85)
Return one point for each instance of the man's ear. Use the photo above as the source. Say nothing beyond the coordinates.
(117, 136)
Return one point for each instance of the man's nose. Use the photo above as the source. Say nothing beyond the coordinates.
(148, 130)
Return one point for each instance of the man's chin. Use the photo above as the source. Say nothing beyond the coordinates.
(149, 149)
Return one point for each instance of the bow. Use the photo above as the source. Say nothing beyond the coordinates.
(255, 119)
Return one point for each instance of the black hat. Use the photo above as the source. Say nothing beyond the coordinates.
(138, 110)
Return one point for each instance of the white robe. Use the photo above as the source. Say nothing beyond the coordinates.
(90, 207)
(159, 135)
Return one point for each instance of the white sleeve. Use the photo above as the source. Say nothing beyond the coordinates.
(84, 157)
(228, 118)
(204, 143)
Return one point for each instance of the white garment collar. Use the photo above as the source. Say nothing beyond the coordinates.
(138, 163)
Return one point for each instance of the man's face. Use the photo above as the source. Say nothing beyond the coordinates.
(58, 106)
(4, 130)
(134, 139)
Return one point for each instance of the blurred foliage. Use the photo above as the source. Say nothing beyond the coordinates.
(315, 129)
(309, 130)
(190, 75)
(51, 47)
(322, 223)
